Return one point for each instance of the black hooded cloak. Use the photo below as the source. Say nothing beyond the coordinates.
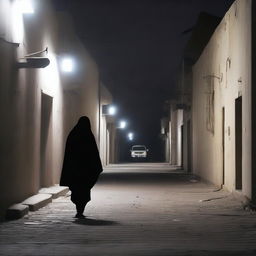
(82, 164)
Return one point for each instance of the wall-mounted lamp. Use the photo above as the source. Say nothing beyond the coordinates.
(109, 110)
(67, 65)
(112, 110)
(122, 124)
(130, 136)
(32, 61)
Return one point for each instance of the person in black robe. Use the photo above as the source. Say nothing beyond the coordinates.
(82, 165)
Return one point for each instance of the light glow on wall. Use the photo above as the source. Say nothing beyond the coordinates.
(50, 76)
(26, 6)
(18, 8)
(17, 26)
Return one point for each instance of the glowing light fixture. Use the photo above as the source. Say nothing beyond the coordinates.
(112, 110)
(67, 65)
(130, 136)
(109, 110)
(26, 6)
(122, 124)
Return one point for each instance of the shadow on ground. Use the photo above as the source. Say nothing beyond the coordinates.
(94, 222)
(145, 178)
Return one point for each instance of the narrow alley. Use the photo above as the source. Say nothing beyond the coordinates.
(145, 110)
(144, 209)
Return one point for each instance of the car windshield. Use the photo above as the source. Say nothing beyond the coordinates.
(138, 148)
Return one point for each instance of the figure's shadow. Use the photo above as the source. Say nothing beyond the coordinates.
(94, 222)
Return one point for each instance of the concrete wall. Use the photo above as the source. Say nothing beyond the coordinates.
(176, 116)
(186, 95)
(220, 76)
(38, 107)
(165, 136)
(106, 99)
(186, 157)
(112, 142)
(253, 116)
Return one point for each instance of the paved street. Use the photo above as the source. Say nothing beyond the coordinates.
(138, 210)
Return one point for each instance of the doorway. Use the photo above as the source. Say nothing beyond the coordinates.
(182, 147)
(238, 142)
(223, 146)
(46, 140)
(189, 145)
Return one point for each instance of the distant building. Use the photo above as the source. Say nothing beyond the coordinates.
(180, 108)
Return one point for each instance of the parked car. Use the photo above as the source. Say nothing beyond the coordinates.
(139, 151)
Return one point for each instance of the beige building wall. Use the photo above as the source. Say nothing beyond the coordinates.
(253, 93)
(38, 107)
(80, 87)
(220, 76)
(112, 142)
(179, 137)
(176, 135)
(106, 99)
(186, 141)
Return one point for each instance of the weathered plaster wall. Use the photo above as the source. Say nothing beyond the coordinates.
(253, 93)
(105, 99)
(222, 74)
(38, 107)
(176, 135)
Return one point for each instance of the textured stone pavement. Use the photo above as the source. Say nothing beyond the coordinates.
(138, 212)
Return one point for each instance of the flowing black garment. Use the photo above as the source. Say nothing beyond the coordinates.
(81, 165)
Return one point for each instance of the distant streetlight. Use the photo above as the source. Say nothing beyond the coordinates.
(122, 124)
(109, 110)
(112, 110)
(67, 65)
(130, 136)
(26, 7)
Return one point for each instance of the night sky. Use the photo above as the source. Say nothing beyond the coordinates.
(138, 47)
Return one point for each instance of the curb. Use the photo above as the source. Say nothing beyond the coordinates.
(35, 202)
(55, 191)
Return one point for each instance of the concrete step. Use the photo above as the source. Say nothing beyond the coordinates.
(16, 211)
(55, 191)
(37, 201)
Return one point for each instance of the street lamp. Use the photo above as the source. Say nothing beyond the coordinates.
(67, 65)
(130, 136)
(109, 110)
(122, 124)
(112, 110)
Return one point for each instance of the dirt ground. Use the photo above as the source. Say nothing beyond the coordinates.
(138, 210)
